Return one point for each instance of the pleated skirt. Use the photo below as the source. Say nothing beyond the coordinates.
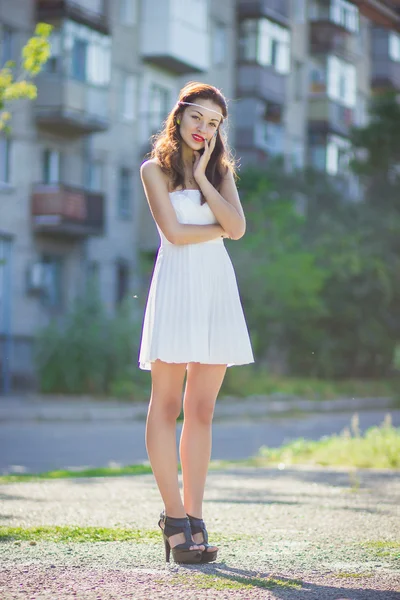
(194, 312)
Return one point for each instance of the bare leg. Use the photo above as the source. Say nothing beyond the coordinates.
(164, 408)
(202, 387)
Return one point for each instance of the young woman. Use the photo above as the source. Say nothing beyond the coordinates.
(194, 323)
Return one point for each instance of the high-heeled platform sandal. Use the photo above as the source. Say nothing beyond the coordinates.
(181, 553)
(198, 526)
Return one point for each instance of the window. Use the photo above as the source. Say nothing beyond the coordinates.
(7, 45)
(5, 152)
(337, 155)
(53, 64)
(266, 43)
(128, 12)
(219, 45)
(394, 46)
(128, 97)
(297, 154)
(51, 166)
(331, 156)
(361, 111)
(88, 54)
(79, 59)
(159, 106)
(52, 279)
(94, 176)
(342, 84)
(122, 286)
(270, 136)
(345, 13)
(124, 193)
(342, 12)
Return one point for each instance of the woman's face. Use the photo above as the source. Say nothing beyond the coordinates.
(199, 123)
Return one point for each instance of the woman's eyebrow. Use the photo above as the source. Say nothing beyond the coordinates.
(195, 110)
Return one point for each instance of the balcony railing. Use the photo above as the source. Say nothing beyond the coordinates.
(326, 38)
(262, 82)
(275, 10)
(64, 210)
(328, 116)
(69, 106)
(93, 13)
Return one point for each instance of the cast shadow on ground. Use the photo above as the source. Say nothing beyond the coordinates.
(284, 587)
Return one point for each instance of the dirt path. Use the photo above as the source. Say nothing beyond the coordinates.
(294, 534)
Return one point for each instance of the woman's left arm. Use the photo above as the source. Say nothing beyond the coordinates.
(226, 205)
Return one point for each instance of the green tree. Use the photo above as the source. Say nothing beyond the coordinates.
(34, 55)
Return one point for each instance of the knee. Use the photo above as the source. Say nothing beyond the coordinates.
(168, 409)
(200, 412)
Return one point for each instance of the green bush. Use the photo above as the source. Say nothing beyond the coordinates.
(92, 352)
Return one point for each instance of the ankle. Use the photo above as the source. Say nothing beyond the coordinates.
(175, 513)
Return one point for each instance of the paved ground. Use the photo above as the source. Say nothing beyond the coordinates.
(318, 534)
(45, 445)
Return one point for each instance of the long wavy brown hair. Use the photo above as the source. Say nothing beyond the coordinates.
(167, 143)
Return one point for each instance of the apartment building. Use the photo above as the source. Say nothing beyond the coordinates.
(71, 204)
(298, 73)
(306, 70)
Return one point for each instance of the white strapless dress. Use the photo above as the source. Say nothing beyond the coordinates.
(194, 312)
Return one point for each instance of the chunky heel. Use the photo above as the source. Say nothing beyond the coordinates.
(182, 552)
(198, 526)
(167, 548)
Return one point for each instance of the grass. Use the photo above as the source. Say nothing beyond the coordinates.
(378, 447)
(250, 380)
(78, 534)
(384, 548)
(353, 575)
(224, 581)
(140, 469)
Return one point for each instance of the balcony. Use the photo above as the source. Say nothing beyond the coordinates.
(327, 38)
(175, 39)
(261, 82)
(384, 14)
(385, 71)
(67, 211)
(275, 10)
(92, 13)
(328, 116)
(71, 107)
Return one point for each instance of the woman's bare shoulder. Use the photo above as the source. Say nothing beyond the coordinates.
(152, 168)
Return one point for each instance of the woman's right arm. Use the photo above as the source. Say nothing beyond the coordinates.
(163, 212)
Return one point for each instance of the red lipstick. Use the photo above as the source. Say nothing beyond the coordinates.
(197, 138)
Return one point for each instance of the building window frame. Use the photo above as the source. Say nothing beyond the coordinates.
(219, 43)
(52, 293)
(129, 96)
(159, 105)
(125, 189)
(394, 46)
(265, 43)
(51, 166)
(5, 160)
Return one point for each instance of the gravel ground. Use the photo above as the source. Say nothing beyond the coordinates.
(305, 524)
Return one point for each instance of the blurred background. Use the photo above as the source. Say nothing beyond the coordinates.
(313, 89)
